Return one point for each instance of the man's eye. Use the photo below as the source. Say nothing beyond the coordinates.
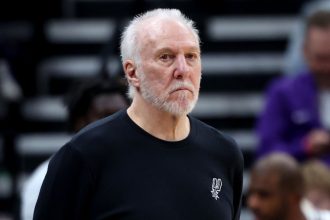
(263, 194)
(165, 56)
(191, 56)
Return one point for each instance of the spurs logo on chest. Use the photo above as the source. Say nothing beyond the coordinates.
(216, 187)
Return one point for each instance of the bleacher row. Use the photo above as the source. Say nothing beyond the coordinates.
(240, 55)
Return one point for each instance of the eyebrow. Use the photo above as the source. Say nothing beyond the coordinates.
(168, 49)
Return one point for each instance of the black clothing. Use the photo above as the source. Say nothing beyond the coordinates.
(113, 169)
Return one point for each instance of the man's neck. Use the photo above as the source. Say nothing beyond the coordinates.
(158, 123)
(296, 213)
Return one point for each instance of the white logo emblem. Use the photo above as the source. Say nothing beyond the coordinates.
(216, 187)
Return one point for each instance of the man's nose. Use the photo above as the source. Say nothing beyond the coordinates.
(181, 67)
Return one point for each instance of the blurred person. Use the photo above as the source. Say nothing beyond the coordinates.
(317, 189)
(153, 160)
(296, 116)
(88, 102)
(294, 61)
(276, 188)
(94, 99)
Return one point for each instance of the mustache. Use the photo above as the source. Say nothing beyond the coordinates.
(179, 85)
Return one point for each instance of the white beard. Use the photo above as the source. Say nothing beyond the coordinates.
(180, 106)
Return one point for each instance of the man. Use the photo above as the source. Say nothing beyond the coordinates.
(317, 184)
(91, 100)
(316, 204)
(294, 59)
(296, 117)
(88, 102)
(276, 189)
(152, 161)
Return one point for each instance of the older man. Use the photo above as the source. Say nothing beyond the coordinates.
(152, 161)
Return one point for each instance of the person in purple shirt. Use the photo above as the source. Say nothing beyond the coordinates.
(296, 117)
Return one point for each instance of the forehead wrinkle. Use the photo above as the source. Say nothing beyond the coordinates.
(161, 28)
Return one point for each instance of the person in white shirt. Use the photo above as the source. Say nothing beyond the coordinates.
(316, 204)
(91, 101)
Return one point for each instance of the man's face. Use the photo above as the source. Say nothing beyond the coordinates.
(317, 51)
(105, 105)
(170, 68)
(265, 198)
(319, 198)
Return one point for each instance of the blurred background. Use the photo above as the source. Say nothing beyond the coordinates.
(45, 46)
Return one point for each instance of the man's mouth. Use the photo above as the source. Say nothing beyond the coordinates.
(182, 89)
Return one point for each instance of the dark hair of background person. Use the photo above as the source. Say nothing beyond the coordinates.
(287, 169)
(320, 19)
(80, 98)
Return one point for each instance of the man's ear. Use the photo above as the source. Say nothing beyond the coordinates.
(130, 72)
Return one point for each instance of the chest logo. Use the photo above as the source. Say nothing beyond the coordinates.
(216, 187)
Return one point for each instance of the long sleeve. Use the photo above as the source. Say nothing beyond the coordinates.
(66, 190)
(236, 177)
(275, 129)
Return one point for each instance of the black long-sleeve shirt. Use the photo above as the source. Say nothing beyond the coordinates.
(113, 169)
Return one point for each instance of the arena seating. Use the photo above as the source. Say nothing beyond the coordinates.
(242, 50)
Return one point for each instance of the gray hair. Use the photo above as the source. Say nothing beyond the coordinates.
(129, 45)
